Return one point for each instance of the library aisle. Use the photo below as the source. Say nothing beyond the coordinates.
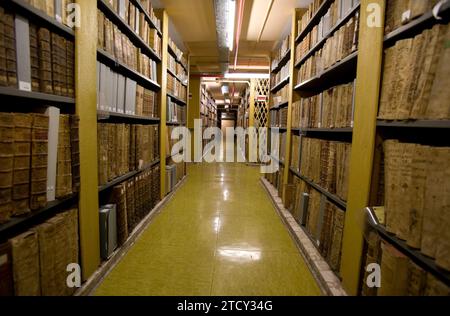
(232, 244)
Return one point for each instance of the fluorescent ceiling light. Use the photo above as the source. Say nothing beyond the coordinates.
(246, 76)
(224, 90)
(244, 67)
(231, 17)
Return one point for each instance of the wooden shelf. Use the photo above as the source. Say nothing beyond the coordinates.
(338, 73)
(417, 25)
(282, 61)
(415, 255)
(432, 124)
(126, 29)
(121, 117)
(279, 106)
(38, 96)
(126, 71)
(125, 177)
(176, 99)
(175, 123)
(332, 197)
(280, 85)
(147, 16)
(18, 224)
(319, 44)
(30, 12)
(314, 20)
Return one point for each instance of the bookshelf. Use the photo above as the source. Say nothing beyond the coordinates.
(8, 92)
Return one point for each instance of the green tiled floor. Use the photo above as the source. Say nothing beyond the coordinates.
(219, 235)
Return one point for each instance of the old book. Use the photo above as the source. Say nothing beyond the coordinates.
(75, 151)
(119, 197)
(392, 173)
(64, 166)
(45, 61)
(39, 153)
(3, 75)
(10, 49)
(336, 242)
(26, 266)
(404, 190)
(34, 58)
(6, 165)
(404, 73)
(417, 279)
(326, 235)
(373, 255)
(133, 139)
(387, 81)
(434, 201)
(22, 160)
(438, 108)
(443, 242)
(430, 63)
(56, 68)
(70, 68)
(421, 161)
(313, 213)
(6, 270)
(50, 8)
(130, 192)
(102, 150)
(394, 272)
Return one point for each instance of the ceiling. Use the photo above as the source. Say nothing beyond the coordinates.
(193, 28)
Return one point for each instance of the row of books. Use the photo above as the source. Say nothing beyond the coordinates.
(129, 203)
(175, 113)
(401, 12)
(148, 7)
(281, 52)
(123, 148)
(276, 179)
(34, 59)
(35, 262)
(281, 75)
(135, 18)
(175, 88)
(174, 174)
(57, 9)
(416, 190)
(323, 220)
(337, 10)
(176, 68)
(181, 57)
(343, 42)
(39, 160)
(308, 15)
(331, 109)
(116, 93)
(281, 96)
(279, 118)
(415, 77)
(326, 163)
(400, 276)
(118, 45)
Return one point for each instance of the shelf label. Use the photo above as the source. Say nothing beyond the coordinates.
(24, 86)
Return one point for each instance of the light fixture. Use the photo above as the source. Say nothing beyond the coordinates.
(231, 16)
(224, 89)
(246, 76)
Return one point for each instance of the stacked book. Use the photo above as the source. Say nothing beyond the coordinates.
(123, 148)
(279, 97)
(175, 87)
(118, 94)
(57, 9)
(400, 276)
(401, 12)
(416, 179)
(343, 42)
(147, 5)
(307, 16)
(415, 77)
(281, 75)
(36, 260)
(281, 52)
(327, 164)
(134, 199)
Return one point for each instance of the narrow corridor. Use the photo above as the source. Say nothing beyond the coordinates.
(219, 235)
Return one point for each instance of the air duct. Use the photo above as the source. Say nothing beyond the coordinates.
(225, 11)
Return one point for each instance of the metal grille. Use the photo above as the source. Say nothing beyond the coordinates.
(262, 87)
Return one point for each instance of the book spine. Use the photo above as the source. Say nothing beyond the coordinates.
(75, 152)
(6, 165)
(45, 61)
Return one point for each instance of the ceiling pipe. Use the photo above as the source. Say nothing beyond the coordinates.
(269, 9)
(239, 29)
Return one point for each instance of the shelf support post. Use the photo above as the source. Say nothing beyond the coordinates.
(364, 133)
(86, 108)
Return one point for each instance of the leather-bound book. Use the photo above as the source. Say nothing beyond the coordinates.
(130, 205)
(336, 242)
(6, 165)
(443, 242)
(34, 58)
(392, 173)
(119, 197)
(10, 48)
(3, 75)
(45, 61)
(64, 167)
(39, 153)
(394, 272)
(75, 151)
